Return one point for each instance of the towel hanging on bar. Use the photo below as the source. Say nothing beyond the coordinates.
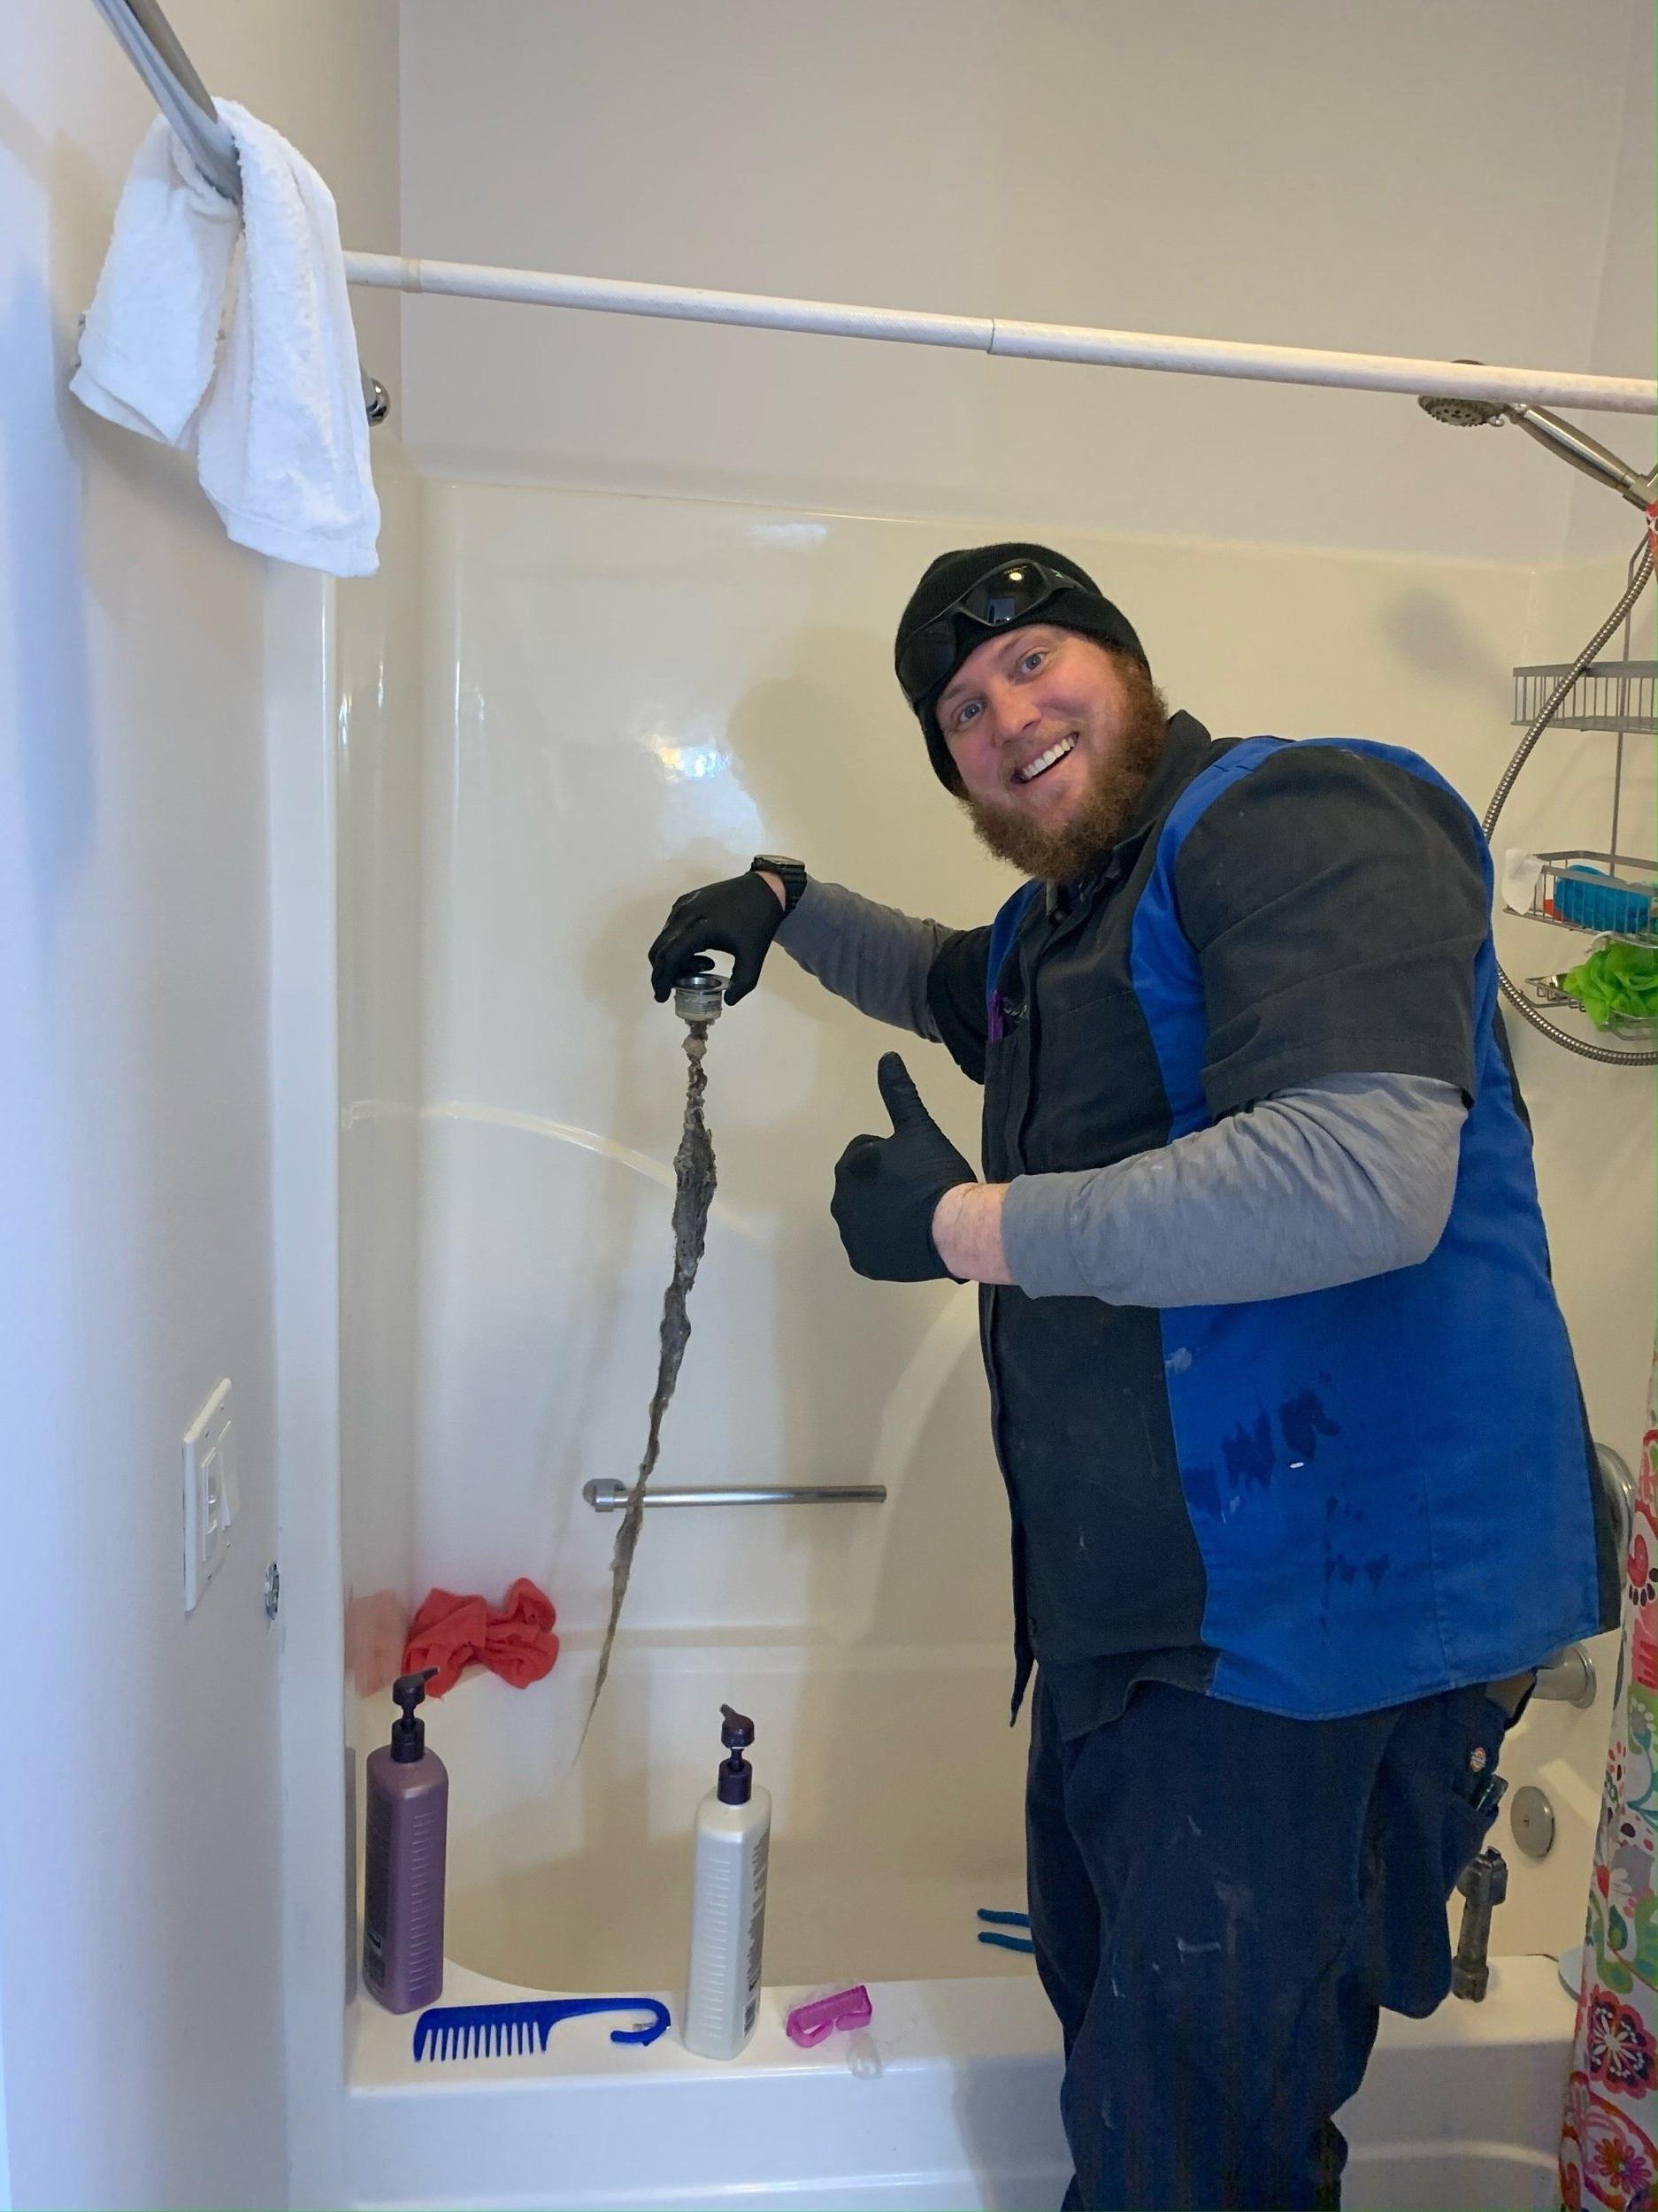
(272, 407)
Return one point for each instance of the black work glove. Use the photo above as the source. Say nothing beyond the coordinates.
(740, 916)
(887, 1189)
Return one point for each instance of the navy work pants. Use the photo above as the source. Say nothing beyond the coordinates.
(1220, 1901)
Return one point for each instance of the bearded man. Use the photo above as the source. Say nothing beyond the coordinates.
(1300, 1483)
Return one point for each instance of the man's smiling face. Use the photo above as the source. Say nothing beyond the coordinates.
(1053, 737)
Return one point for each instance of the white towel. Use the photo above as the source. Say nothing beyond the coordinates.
(1521, 872)
(270, 401)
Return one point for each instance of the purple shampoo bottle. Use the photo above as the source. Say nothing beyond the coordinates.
(402, 1890)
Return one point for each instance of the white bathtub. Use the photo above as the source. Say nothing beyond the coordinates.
(897, 1814)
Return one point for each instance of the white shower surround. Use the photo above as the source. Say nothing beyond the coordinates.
(621, 696)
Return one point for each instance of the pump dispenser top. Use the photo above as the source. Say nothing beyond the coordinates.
(408, 1734)
(736, 1776)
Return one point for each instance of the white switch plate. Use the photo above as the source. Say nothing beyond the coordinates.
(211, 1500)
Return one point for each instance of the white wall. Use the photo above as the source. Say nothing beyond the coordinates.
(1624, 325)
(1409, 179)
(139, 1912)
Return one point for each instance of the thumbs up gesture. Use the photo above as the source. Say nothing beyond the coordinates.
(887, 1188)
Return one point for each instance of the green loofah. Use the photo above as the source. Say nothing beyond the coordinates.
(1617, 982)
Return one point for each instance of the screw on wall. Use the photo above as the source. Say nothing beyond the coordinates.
(272, 1591)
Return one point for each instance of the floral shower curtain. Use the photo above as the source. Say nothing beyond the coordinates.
(1607, 2152)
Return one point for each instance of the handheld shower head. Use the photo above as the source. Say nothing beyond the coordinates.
(1462, 414)
(1576, 446)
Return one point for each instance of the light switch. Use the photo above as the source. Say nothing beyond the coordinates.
(227, 1464)
(211, 1499)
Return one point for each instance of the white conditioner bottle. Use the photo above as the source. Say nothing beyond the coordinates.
(734, 1834)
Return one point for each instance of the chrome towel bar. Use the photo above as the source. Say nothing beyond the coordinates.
(612, 1497)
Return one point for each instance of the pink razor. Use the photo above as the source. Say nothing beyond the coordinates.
(819, 2017)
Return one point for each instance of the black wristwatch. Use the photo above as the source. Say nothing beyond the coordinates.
(790, 873)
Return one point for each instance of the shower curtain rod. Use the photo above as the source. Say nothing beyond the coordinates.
(154, 50)
(1031, 342)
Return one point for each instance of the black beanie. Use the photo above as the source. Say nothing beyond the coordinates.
(953, 573)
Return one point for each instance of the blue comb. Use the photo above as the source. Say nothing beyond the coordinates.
(495, 2030)
(1000, 1920)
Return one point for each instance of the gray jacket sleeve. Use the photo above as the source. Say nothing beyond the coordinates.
(1309, 1187)
(873, 955)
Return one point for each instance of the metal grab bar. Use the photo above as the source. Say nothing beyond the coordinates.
(151, 45)
(612, 1497)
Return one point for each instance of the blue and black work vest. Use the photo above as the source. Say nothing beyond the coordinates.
(1315, 1505)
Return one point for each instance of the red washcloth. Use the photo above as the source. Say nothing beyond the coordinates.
(449, 1633)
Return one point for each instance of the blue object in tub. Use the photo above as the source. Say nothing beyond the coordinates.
(1595, 900)
(1001, 1920)
(494, 2030)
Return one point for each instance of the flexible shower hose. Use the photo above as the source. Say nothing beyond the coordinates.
(1639, 572)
